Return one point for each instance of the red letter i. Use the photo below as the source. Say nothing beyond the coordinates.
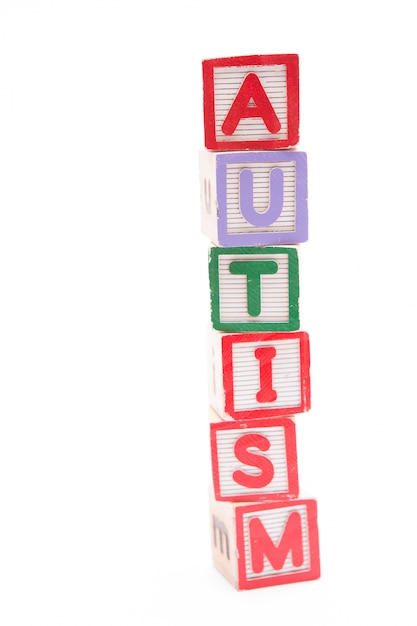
(266, 393)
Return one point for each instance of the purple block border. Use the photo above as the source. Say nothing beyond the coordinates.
(260, 239)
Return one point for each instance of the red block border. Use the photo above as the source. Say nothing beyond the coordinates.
(227, 342)
(293, 105)
(277, 579)
(291, 454)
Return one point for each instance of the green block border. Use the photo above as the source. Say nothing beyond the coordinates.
(293, 289)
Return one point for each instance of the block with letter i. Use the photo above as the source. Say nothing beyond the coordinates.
(258, 375)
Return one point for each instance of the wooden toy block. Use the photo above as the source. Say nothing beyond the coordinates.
(254, 289)
(254, 198)
(256, 375)
(254, 460)
(264, 544)
(251, 102)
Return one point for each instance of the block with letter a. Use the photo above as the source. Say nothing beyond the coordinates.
(254, 198)
(254, 288)
(255, 375)
(251, 102)
(253, 460)
(265, 543)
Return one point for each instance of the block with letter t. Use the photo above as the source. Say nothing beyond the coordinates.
(254, 198)
(251, 102)
(253, 460)
(265, 543)
(254, 288)
(257, 375)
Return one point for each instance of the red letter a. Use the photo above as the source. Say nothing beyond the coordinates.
(251, 89)
(261, 544)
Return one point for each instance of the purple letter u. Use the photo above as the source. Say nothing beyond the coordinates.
(276, 197)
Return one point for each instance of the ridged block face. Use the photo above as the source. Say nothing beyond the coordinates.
(254, 289)
(254, 460)
(254, 198)
(251, 102)
(264, 544)
(255, 375)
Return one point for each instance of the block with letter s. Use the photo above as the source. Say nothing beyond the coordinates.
(253, 460)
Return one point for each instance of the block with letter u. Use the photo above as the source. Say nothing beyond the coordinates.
(254, 198)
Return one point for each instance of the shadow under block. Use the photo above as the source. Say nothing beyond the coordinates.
(254, 460)
(254, 289)
(265, 543)
(254, 198)
(251, 102)
(256, 375)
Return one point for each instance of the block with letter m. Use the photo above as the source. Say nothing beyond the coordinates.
(268, 543)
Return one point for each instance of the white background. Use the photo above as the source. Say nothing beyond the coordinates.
(104, 450)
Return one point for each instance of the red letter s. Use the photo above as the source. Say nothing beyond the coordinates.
(250, 458)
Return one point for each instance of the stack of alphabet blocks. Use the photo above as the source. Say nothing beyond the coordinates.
(254, 212)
